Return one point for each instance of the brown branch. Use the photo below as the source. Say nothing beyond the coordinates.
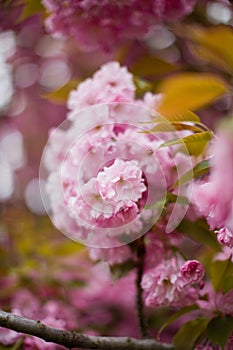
(72, 339)
(139, 296)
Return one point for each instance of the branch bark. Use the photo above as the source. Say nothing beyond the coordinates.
(139, 296)
(72, 339)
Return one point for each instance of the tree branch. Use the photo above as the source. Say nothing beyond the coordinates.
(139, 296)
(72, 339)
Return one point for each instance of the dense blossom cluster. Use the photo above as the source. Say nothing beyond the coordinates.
(109, 171)
(100, 23)
(110, 176)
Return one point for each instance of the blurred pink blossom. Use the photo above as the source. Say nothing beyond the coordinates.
(214, 198)
(105, 24)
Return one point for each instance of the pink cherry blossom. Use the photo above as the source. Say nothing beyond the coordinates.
(111, 83)
(224, 302)
(121, 181)
(113, 256)
(164, 285)
(111, 198)
(212, 301)
(229, 344)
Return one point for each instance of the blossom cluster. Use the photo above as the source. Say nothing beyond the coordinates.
(105, 175)
(105, 171)
(99, 24)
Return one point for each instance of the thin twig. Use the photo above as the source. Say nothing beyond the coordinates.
(140, 306)
(72, 339)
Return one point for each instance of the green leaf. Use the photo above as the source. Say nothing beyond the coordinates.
(221, 273)
(142, 85)
(160, 204)
(188, 334)
(219, 330)
(174, 198)
(170, 198)
(175, 316)
(150, 65)
(200, 169)
(199, 232)
(188, 91)
(195, 144)
(120, 270)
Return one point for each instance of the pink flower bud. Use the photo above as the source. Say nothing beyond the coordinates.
(225, 237)
(192, 271)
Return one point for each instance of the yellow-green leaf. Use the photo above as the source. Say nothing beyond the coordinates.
(221, 272)
(184, 116)
(214, 44)
(189, 91)
(186, 120)
(61, 95)
(150, 65)
(195, 144)
(174, 126)
(31, 8)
